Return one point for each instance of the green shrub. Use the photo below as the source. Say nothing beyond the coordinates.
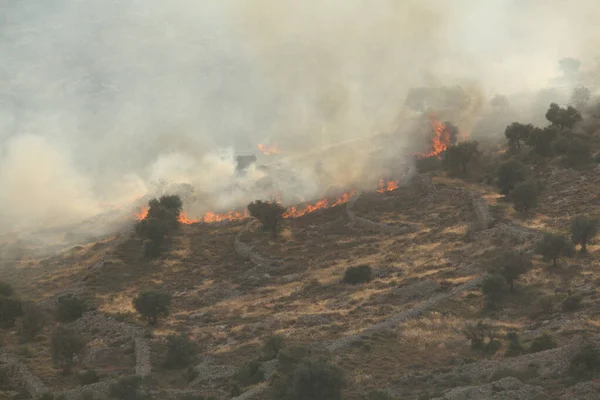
(269, 213)
(583, 229)
(358, 274)
(70, 308)
(272, 347)
(6, 289)
(88, 377)
(457, 157)
(249, 374)
(10, 310)
(543, 342)
(290, 357)
(515, 347)
(578, 153)
(180, 352)
(493, 288)
(524, 195)
(585, 364)
(517, 133)
(542, 140)
(482, 337)
(127, 388)
(510, 265)
(317, 380)
(152, 304)
(509, 174)
(32, 323)
(572, 302)
(65, 344)
(553, 246)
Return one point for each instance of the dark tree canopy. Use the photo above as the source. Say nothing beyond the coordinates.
(243, 162)
(152, 304)
(317, 380)
(456, 158)
(562, 117)
(269, 213)
(167, 208)
(553, 246)
(583, 229)
(510, 173)
(65, 344)
(517, 133)
(542, 140)
(493, 288)
(578, 152)
(524, 195)
(180, 352)
(510, 265)
(10, 310)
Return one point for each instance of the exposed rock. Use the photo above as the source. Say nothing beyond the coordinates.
(208, 371)
(292, 278)
(20, 377)
(583, 391)
(505, 389)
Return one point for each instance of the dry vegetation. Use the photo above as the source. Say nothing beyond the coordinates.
(230, 306)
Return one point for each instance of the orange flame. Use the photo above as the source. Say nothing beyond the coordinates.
(294, 212)
(440, 140)
(387, 187)
(266, 149)
(142, 214)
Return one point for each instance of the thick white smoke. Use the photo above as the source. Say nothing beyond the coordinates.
(100, 98)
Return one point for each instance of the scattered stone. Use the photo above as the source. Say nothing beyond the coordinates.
(505, 389)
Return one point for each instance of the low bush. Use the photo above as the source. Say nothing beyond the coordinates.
(152, 304)
(180, 352)
(317, 380)
(482, 337)
(358, 274)
(586, 363)
(6, 289)
(272, 347)
(572, 302)
(65, 344)
(10, 310)
(524, 196)
(88, 377)
(515, 348)
(70, 308)
(554, 246)
(269, 213)
(543, 342)
(32, 323)
(249, 373)
(128, 388)
(493, 288)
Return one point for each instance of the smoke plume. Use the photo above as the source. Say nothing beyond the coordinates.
(101, 99)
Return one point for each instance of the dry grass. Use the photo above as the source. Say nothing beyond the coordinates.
(241, 305)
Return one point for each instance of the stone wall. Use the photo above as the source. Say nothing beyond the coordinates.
(20, 376)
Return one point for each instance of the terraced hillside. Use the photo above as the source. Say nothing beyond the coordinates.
(428, 243)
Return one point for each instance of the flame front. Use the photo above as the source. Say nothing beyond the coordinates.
(266, 149)
(295, 212)
(440, 140)
(142, 214)
(387, 186)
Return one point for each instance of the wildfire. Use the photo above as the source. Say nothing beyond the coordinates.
(387, 186)
(294, 212)
(266, 149)
(440, 140)
(142, 214)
